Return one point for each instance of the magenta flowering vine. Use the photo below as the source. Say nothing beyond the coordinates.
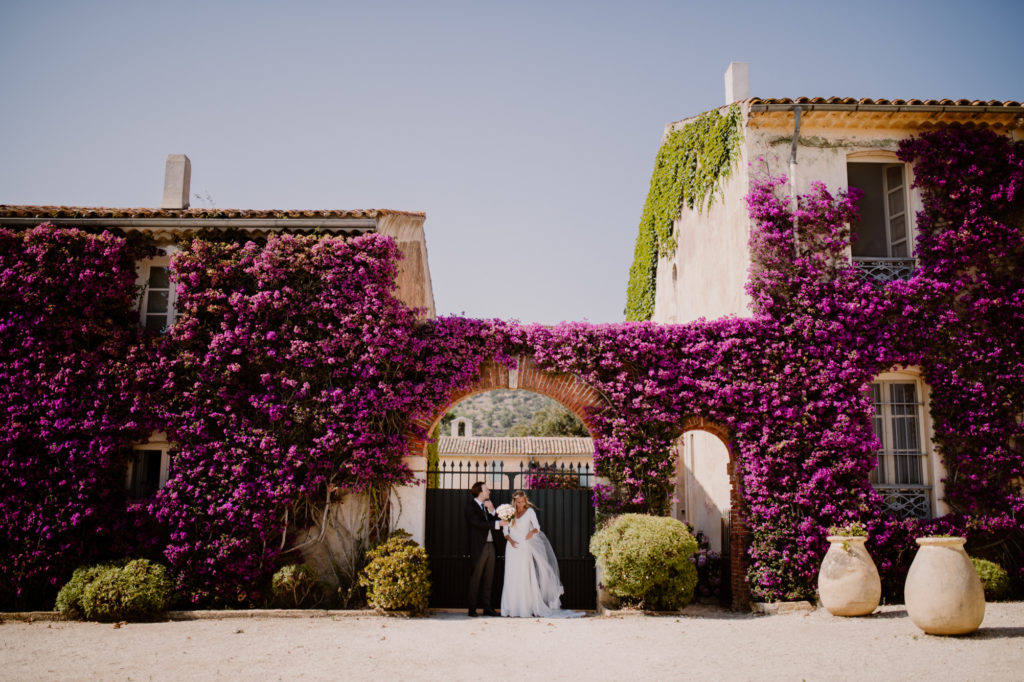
(68, 410)
(293, 373)
(290, 376)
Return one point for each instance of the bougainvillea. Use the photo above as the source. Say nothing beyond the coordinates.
(291, 375)
(293, 372)
(67, 408)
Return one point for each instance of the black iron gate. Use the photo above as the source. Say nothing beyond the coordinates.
(564, 508)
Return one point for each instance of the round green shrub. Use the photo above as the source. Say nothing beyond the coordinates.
(397, 575)
(139, 590)
(296, 586)
(993, 578)
(645, 561)
(69, 599)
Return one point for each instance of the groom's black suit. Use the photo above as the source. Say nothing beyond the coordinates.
(479, 524)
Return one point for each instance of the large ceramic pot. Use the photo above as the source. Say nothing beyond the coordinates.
(943, 593)
(848, 583)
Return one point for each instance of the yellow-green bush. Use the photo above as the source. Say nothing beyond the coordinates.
(645, 561)
(69, 599)
(397, 575)
(993, 578)
(133, 590)
(296, 586)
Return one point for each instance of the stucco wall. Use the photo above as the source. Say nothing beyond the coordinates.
(703, 489)
(415, 288)
(706, 276)
(712, 259)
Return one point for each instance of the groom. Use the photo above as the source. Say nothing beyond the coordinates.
(484, 530)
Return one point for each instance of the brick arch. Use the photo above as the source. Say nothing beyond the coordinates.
(567, 389)
(739, 534)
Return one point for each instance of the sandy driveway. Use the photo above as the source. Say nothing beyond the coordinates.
(703, 642)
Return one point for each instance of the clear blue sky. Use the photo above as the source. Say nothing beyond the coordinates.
(525, 130)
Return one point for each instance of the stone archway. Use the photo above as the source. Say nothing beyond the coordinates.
(439, 507)
(739, 534)
(567, 389)
(408, 503)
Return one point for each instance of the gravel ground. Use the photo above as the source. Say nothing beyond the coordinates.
(701, 642)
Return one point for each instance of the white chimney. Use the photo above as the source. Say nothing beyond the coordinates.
(737, 82)
(177, 178)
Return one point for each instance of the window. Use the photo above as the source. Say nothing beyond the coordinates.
(147, 471)
(882, 239)
(902, 473)
(157, 307)
(884, 227)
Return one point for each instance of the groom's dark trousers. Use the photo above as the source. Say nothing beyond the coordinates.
(479, 524)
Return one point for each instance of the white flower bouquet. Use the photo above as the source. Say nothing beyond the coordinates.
(506, 512)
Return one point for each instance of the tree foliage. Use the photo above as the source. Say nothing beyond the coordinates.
(552, 420)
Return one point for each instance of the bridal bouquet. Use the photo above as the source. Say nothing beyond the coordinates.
(506, 512)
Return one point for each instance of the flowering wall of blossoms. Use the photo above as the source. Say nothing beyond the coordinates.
(293, 373)
(68, 408)
(289, 379)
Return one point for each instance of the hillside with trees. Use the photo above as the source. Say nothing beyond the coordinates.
(515, 413)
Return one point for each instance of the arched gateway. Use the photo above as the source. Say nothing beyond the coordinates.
(433, 515)
(564, 498)
(576, 396)
(736, 536)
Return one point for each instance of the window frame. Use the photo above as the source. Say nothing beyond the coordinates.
(157, 443)
(143, 270)
(932, 470)
(887, 160)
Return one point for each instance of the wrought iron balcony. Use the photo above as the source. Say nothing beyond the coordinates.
(907, 501)
(886, 269)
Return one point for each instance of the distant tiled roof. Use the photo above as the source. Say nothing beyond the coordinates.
(97, 212)
(867, 101)
(528, 445)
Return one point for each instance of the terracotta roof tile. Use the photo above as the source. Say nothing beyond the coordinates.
(528, 445)
(100, 212)
(898, 102)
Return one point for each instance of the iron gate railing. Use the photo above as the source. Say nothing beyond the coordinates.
(564, 508)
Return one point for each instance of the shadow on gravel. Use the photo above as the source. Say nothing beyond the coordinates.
(902, 613)
(996, 633)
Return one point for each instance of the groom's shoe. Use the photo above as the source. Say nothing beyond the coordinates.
(472, 613)
(489, 612)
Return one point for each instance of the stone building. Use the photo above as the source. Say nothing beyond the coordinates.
(841, 142)
(175, 219)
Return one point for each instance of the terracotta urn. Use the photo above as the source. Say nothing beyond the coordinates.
(943, 593)
(848, 582)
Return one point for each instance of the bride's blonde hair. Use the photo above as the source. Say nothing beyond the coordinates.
(522, 494)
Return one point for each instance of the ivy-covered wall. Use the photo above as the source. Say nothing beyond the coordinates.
(293, 374)
(692, 162)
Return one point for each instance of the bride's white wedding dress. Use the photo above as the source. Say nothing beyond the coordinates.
(532, 585)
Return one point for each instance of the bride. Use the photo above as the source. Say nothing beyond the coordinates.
(532, 584)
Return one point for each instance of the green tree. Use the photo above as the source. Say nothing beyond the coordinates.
(553, 420)
(433, 459)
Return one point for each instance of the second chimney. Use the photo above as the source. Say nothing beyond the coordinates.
(177, 178)
(737, 82)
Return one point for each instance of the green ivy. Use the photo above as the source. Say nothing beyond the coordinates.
(689, 169)
(433, 460)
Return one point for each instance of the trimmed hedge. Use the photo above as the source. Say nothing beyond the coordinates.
(993, 578)
(645, 561)
(397, 575)
(134, 590)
